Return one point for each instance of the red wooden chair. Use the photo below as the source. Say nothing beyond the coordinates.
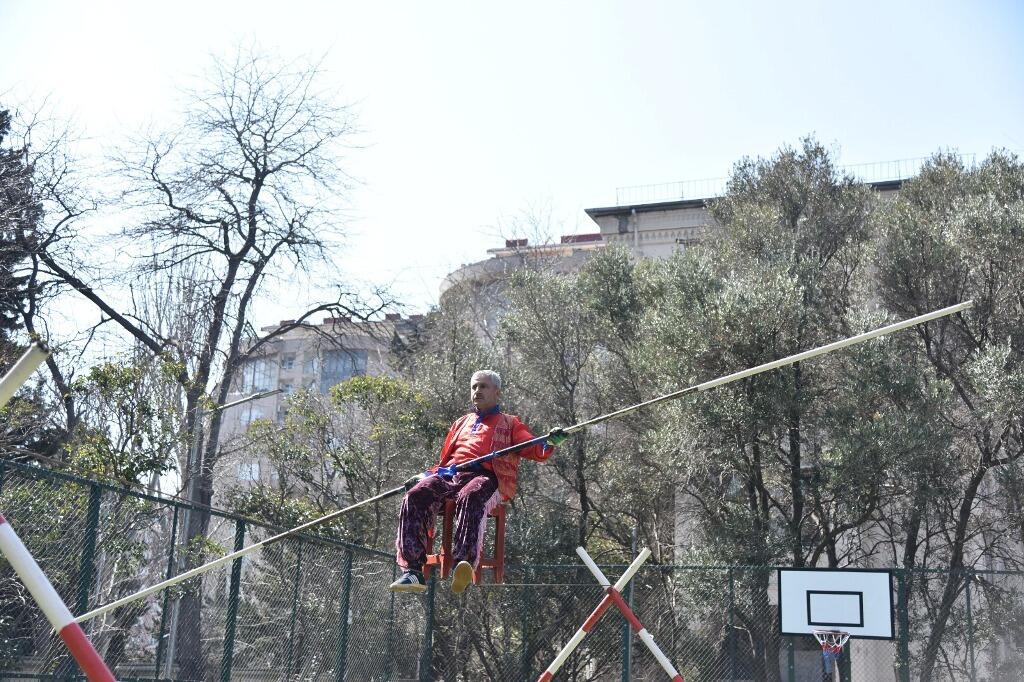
(444, 558)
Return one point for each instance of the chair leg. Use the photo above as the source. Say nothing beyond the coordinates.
(446, 539)
(432, 559)
(499, 548)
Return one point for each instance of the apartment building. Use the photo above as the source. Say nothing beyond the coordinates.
(312, 356)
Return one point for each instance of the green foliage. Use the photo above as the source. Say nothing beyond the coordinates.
(126, 436)
(20, 212)
(456, 341)
(368, 435)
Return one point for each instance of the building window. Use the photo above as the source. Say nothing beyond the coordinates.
(340, 365)
(250, 413)
(287, 389)
(288, 361)
(249, 471)
(257, 375)
(310, 364)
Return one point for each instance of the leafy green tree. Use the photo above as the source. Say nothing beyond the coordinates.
(19, 211)
(126, 435)
(450, 348)
(782, 273)
(550, 334)
(954, 234)
(245, 191)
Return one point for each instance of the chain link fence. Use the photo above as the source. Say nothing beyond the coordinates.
(313, 608)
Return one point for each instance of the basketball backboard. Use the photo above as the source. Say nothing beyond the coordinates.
(857, 601)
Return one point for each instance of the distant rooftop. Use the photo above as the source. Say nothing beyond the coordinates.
(878, 172)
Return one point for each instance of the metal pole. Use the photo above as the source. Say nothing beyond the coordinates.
(295, 607)
(233, 590)
(26, 568)
(731, 634)
(776, 364)
(163, 610)
(524, 627)
(970, 628)
(346, 589)
(427, 655)
(92, 522)
(627, 634)
(391, 628)
(613, 596)
(903, 613)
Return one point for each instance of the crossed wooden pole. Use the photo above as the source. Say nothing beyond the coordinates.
(26, 567)
(613, 595)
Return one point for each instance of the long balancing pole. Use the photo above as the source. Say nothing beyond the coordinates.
(706, 386)
(21, 371)
(775, 364)
(198, 570)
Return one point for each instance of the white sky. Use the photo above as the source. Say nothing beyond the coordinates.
(474, 111)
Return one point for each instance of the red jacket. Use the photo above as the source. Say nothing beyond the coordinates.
(495, 431)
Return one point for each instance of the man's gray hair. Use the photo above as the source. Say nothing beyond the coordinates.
(490, 374)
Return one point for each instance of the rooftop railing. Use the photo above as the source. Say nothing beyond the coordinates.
(880, 171)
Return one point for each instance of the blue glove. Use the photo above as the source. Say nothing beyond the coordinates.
(447, 473)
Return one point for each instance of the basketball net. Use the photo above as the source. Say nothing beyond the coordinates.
(831, 642)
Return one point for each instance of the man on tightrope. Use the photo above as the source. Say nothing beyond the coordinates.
(476, 492)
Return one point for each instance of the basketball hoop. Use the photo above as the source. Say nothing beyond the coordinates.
(831, 642)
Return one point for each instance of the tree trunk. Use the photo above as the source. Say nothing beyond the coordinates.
(954, 578)
(795, 481)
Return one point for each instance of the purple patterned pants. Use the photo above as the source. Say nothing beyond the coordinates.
(475, 493)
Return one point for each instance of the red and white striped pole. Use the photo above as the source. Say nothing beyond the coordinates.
(52, 605)
(26, 567)
(616, 595)
(613, 595)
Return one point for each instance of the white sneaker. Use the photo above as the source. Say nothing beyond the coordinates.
(410, 581)
(463, 576)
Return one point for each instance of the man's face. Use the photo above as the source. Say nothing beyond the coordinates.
(483, 392)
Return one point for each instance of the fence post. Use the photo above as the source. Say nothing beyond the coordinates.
(346, 590)
(3, 474)
(730, 634)
(427, 655)
(236, 581)
(627, 634)
(524, 625)
(970, 626)
(167, 597)
(903, 615)
(845, 662)
(627, 639)
(92, 523)
(391, 627)
(295, 606)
